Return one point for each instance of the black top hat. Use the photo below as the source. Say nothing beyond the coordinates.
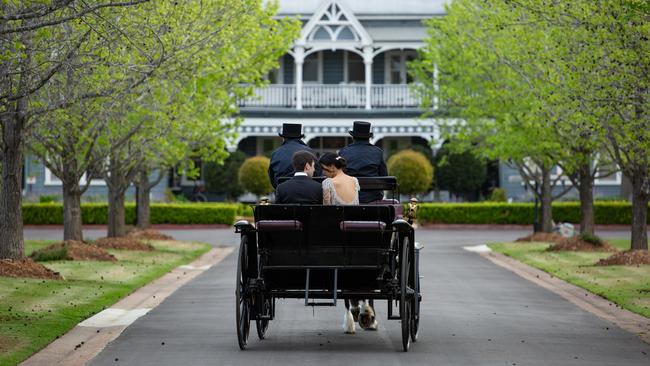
(291, 131)
(361, 129)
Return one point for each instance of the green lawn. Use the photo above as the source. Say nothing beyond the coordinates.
(35, 312)
(627, 286)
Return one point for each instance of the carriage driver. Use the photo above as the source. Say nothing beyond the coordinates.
(281, 159)
(364, 159)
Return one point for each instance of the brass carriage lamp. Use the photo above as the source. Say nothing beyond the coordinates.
(412, 213)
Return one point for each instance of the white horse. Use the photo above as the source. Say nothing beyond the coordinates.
(364, 314)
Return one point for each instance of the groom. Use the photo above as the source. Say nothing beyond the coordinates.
(301, 188)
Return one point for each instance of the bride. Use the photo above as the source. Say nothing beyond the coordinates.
(339, 188)
(342, 189)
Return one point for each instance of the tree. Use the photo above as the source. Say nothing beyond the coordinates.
(604, 46)
(253, 175)
(219, 177)
(186, 110)
(37, 43)
(413, 171)
(487, 74)
(459, 172)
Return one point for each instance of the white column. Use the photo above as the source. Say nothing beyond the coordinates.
(367, 61)
(299, 58)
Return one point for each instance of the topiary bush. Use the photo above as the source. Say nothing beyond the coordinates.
(413, 171)
(253, 175)
(498, 195)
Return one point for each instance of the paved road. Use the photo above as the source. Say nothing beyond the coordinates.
(474, 313)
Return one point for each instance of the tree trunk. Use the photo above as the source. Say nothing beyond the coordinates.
(586, 184)
(143, 201)
(116, 217)
(72, 225)
(11, 215)
(640, 197)
(546, 201)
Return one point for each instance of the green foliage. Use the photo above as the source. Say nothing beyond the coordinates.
(253, 175)
(459, 172)
(498, 195)
(606, 213)
(47, 198)
(413, 171)
(219, 177)
(161, 213)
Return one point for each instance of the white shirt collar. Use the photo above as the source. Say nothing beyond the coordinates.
(300, 174)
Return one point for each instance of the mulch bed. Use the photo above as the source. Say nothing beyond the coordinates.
(578, 245)
(76, 250)
(124, 243)
(542, 238)
(27, 268)
(148, 234)
(627, 258)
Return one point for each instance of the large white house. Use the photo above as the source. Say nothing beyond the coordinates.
(349, 63)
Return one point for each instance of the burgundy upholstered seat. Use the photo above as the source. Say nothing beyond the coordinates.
(363, 226)
(279, 225)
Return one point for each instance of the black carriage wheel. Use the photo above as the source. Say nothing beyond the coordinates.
(263, 325)
(242, 297)
(415, 301)
(404, 303)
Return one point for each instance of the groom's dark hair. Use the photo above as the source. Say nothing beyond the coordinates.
(302, 158)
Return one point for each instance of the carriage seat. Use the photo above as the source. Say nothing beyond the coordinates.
(279, 225)
(363, 226)
(399, 209)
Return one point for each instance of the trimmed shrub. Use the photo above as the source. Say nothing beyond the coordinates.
(519, 213)
(413, 171)
(161, 213)
(254, 176)
(498, 195)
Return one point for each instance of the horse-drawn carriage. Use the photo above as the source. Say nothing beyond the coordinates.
(326, 253)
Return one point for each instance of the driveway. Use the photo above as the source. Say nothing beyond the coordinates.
(473, 313)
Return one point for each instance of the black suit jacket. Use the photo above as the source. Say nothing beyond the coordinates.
(281, 160)
(300, 189)
(365, 160)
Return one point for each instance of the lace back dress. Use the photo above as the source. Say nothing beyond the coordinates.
(331, 198)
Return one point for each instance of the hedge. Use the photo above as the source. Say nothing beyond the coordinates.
(519, 213)
(161, 213)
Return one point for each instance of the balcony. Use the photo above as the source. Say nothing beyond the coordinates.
(343, 96)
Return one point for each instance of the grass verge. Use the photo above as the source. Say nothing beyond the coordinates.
(33, 312)
(627, 286)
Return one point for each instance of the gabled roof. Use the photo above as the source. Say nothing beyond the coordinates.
(333, 22)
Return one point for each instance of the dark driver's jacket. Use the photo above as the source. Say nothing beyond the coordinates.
(281, 160)
(365, 160)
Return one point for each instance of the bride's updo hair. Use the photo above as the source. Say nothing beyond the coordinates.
(329, 159)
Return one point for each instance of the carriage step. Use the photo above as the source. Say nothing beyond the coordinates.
(329, 303)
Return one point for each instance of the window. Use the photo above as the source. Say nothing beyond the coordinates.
(608, 172)
(276, 76)
(311, 68)
(356, 70)
(53, 180)
(396, 68)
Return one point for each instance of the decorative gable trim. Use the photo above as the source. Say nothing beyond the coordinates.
(333, 22)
